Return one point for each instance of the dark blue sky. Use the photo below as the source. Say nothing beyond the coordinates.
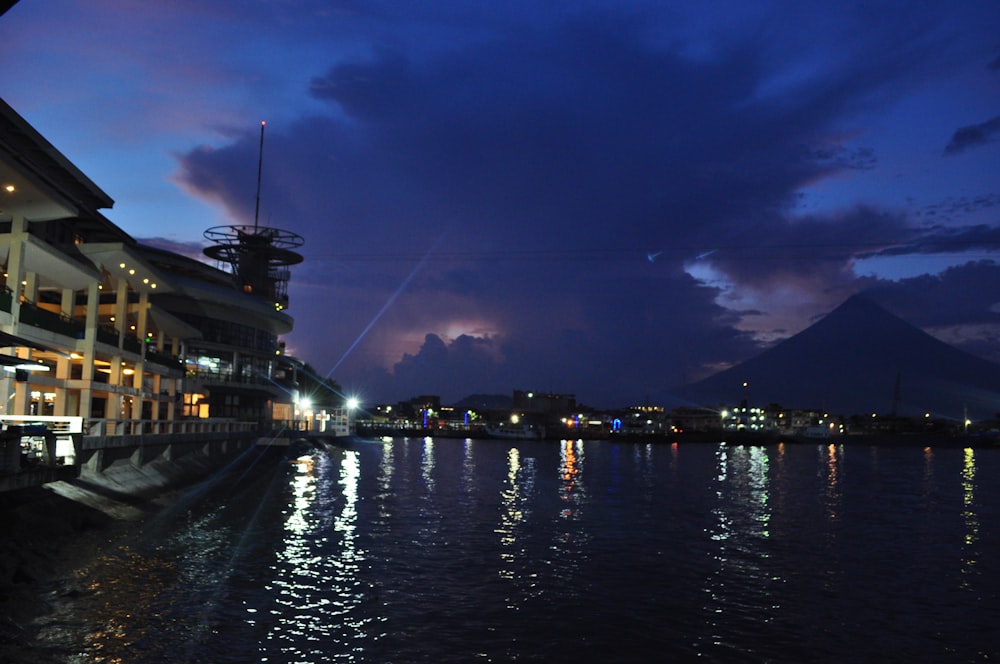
(604, 198)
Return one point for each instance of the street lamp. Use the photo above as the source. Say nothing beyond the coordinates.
(353, 403)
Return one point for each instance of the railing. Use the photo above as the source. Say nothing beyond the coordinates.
(107, 335)
(131, 344)
(163, 359)
(40, 441)
(32, 314)
(88, 426)
(95, 427)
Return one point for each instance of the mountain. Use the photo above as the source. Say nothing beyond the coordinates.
(851, 361)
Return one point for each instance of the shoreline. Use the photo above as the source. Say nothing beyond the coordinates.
(989, 440)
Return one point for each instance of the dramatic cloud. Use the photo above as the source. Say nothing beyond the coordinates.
(952, 305)
(608, 200)
(972, 136)
(540, 168)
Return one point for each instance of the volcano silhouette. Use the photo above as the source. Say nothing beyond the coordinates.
(860, 359)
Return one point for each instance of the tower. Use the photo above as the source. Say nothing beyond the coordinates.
(258, 256)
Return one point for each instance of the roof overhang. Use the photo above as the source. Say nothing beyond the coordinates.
(121, 260)
(172, 325)
(53, 267)
(51, 187)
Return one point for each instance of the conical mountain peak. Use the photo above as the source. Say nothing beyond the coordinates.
(849, 362)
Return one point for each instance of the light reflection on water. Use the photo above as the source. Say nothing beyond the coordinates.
(511, 516)
(969, 515)
(833, 470)
(316, 585)
(462, 550)
(737, 585)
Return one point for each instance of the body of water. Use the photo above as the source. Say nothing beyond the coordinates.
(421, 550)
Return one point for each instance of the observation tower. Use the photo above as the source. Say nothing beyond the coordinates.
(258, 256)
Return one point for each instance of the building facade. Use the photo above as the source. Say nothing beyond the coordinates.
(96, 325)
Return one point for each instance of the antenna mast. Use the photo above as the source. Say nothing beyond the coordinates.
(260, 168)
(258, 256)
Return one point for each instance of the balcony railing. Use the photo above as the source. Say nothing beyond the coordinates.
(32, 314)
(163, 359)
(93, 427)
(131, 344)
(107, 335)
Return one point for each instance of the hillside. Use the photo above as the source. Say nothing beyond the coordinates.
(849, 363)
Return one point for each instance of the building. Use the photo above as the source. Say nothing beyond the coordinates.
(544, 403)
(129, 338)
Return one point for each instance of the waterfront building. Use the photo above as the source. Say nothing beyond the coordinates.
(129, 338)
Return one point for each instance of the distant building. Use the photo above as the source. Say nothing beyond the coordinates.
(544, 403)
(689, 418)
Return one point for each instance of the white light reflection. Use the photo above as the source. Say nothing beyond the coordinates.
(719, 532)
(512, 504)
(738, 542)
(316, 585)
(760, 509)
(723, 524)
(468, 469)
(427, 464)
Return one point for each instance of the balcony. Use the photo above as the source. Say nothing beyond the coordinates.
(163, 359)
(32, 314)
(107, 335)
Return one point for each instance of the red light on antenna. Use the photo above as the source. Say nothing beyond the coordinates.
(263, 122)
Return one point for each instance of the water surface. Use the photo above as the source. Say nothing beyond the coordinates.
(440, 550)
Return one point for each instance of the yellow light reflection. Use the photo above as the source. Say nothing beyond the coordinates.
(128, 586)
(833, 489)
(969, 514)
(570, 469)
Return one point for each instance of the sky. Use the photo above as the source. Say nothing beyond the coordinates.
(608, 198)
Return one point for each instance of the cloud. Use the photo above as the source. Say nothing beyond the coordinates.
(972, 136)
(522, 176)
(943, 239)
(952, 305)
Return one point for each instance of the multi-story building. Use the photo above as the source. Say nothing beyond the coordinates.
(127, 337)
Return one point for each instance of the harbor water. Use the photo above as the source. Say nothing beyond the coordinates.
(449, 550)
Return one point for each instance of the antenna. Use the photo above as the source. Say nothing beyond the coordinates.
(258, 258)
(260, 168)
